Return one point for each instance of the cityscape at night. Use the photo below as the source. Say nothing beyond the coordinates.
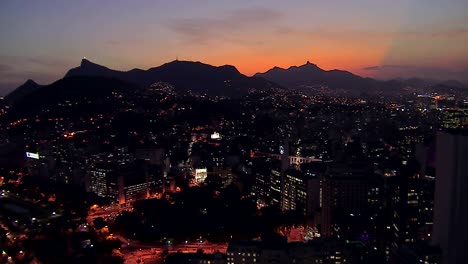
(244, 132)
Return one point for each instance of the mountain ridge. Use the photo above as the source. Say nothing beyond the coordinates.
(310, 74)
(25, 89)
(226, 80)
(185, 76)
(70, 89)
(158, 73)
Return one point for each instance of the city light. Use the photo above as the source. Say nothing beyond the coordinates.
(32, 155)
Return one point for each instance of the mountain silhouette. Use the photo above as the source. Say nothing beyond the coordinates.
(211, 80)
(23, 90)
(183, 75)
(88, 68)
(91, 82)
(310, 74)
(94, 90)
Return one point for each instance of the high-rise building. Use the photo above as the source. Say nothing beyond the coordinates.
(98, 178)
(224, 173)
(451, 196)
(343, 191)
(301, 192)
(454, 117)
(275, 187)
(263, 179)
(409, 207)
(121, 183)
(153, 156)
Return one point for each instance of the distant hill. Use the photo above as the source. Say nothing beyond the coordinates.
(25, 89)
(94, 89)
(95, 83)
(225, 80)
(183, 75)
(311, 75)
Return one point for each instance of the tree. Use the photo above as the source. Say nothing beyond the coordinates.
(99, 223)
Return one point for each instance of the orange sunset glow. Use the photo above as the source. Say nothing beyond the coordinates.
(398, 39)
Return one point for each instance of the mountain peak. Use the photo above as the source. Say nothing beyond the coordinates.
(309, 74)
(89, 68)
(25, 89)
(197, 65)
(183, 75)
(309, 64)
(30, 82)
(230, 68)
(85, 62)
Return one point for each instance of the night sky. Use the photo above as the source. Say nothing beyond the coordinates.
(41, 40)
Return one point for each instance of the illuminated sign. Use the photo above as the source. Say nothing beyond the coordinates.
(200, 175)
(32, 155)
(215, 135)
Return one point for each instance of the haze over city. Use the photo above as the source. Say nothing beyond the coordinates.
(381, 39)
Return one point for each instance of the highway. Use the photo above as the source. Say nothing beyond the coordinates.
(155, 254)
(149, 252)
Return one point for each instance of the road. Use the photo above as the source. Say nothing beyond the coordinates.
(133, 251)
(155, 254)
(108, 213)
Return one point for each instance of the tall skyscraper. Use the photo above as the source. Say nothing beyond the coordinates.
(301, 192)
(451, 196)
(343, 189)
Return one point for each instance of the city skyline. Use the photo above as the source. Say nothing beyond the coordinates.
(40, 41)
(233, 132)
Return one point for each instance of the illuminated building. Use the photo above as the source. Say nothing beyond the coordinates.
(129, 184)
(243, 252)
(450, 206)
(98, 179)
(279, 251)
(125, 189)
(454, 118)
(215, 135)
(445, 101)
(122, 156)
(411, 205)
(293, 160)
(121, 183)
(275, 187)
(263, 178)
(261, 188)
(39, 165)
(224, 173)
(342, 188)
(325, 251)
(300, 192)
(152, 156)
(200, 175)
